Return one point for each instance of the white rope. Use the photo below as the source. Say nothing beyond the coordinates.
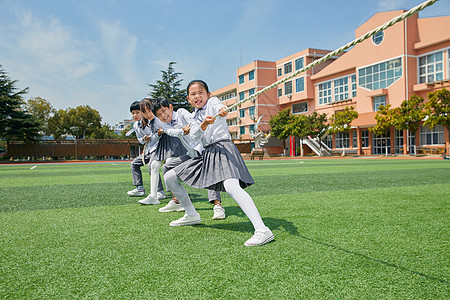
(395, 20)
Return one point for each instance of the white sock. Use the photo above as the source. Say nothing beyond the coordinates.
(154, 177)
(245, 202)
(179, 192)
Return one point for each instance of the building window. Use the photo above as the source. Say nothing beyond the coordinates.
(288, 67)
(280, 92)
(342, 140)
(288, 88)
(433, 136)
(378, 38)
(299, 107)
(241, 96)
(242, 113)
(251, 92)
(381, 143)
(279, 72)
(241, 79)
(329, 141)
(300, 84)
(365, 138)
(325, 92)
(431, 67)
(354, 134)
(242, 130)
(341, 89)
(353, 86)
(377, 101)
(251, 75)
(398, 141)
(298, 63)
(232, 122)
(251, 128)
(381, 75)
(251, 111)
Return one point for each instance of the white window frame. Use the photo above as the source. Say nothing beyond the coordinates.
(296, 85)
(325, 96)
(427, 66)
(298, 104)
(382, 74)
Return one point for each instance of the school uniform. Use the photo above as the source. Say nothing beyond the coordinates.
(220, 160)
(168, 146)
(138, 162)
(180, 119)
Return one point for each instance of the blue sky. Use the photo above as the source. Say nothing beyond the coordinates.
(104, 53)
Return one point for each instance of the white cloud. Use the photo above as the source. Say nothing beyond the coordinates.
(120, 48)
(47, 47)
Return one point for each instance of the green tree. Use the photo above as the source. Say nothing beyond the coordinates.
(317, 126)
(409, 114)
(299, 127)
(169, 88)
(386, 117)
(123, 134)
(80, 122)
(41, 110)
(55, 124)
(15, 123)
(105, 132)
(279, 125)
(341, 120)
(437, 109)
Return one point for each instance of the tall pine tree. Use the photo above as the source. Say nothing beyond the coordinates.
(169, 87)
(15, 123)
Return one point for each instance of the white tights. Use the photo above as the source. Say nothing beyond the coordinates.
(154, 175)
(232, 187)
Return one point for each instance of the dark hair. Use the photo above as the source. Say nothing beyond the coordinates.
(201, 82)
(134, 106)
(159, 102)
(145, 105)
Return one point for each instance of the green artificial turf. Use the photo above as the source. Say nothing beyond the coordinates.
(344, 229)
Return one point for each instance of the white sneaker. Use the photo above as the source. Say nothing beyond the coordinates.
(186, 220)
(172, 206)
(260, 238)
(136, 193)
(160, 196)
(219, 212)
(149, 200)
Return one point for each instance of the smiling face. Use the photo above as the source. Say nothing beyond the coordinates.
(165, 113)
(148, 114)
(197, 95)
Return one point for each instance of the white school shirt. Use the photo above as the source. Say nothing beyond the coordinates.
(152, 131)
(138, 131)
(181, 118)
(215, 132)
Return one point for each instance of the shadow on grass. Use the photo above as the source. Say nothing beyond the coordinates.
(392, 265)
(272, 223)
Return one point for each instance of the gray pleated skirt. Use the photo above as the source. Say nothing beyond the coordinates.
(168, 146)
(218, 162)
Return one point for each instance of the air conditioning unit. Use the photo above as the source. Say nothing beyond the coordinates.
(289, 95)
(238, 119)
(253, 117)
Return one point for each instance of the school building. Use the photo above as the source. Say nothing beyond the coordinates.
(410, 57)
